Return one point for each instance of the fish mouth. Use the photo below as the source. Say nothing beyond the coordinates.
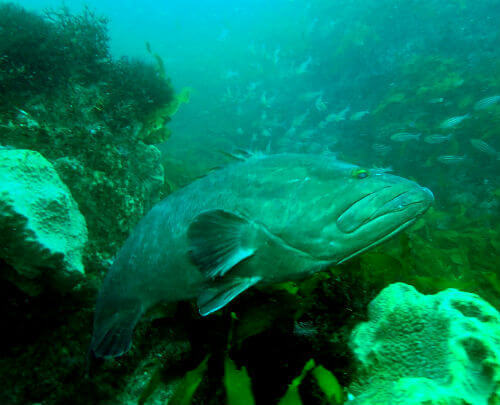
(381, 240)
(388, 208)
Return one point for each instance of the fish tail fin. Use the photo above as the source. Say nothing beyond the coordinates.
(113, 336)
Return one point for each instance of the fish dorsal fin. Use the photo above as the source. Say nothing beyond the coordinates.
(215, 297)
(219, 240)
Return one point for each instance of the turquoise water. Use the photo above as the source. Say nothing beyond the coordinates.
(128, 111)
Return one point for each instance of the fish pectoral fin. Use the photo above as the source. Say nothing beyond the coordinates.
(219, 240)
(215, 297)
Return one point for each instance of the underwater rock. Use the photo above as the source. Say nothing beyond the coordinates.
(427, 349)
(42, 232)
(93, 116)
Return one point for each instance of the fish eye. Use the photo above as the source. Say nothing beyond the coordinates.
(360, 173)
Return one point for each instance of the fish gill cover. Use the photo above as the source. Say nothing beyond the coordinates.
(410, 88)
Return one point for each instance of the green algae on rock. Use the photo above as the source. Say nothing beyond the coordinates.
(427, 349)
(92, 116)
(42, 231)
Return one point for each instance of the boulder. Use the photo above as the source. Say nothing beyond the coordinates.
(42, 232)
(427, 349)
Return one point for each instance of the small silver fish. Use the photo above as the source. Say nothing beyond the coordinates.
(340, 116)
(437, 138)
(404, 137)
(230, 74)
(381, 148)
(266, 132)
(451, 159)
(22, 112)
(486, 102)
(482, 146)
(359, 115)
(453, 121)
(276, 55)
(290, 132)
(320, 104)
(307, 133)
(299, 119)
(304, 329)
(436, 100)
(312, 95)
(304, 66)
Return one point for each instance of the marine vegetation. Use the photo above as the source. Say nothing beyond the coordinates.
(86, 151)
(63, 95)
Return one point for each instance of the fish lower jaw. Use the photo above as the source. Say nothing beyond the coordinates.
(386, 237)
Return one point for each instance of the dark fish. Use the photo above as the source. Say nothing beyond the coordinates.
(264, 220)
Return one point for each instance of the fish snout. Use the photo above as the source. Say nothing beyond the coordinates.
(420, 196)
(410, 203)
(391, 204)
(429, 194)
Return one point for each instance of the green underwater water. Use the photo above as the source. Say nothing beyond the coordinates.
(340, 78)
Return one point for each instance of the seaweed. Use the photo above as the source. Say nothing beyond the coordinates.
(64, 51)
(238, 384)
(138, 88)
(329, 387)
(292, 396)
(183, 395)
(97, 118)
(43, 53)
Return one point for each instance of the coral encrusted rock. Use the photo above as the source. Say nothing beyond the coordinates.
(42, 232)
(427, 349)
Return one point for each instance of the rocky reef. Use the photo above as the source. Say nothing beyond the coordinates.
(80, 165)
(78, 168)
(92, 117)
(43, 234)
(427, 349)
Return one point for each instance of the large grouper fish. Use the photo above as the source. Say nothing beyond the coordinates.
(266, 219)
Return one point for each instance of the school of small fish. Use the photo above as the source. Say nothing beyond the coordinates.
(318, 124)
(440, 138)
